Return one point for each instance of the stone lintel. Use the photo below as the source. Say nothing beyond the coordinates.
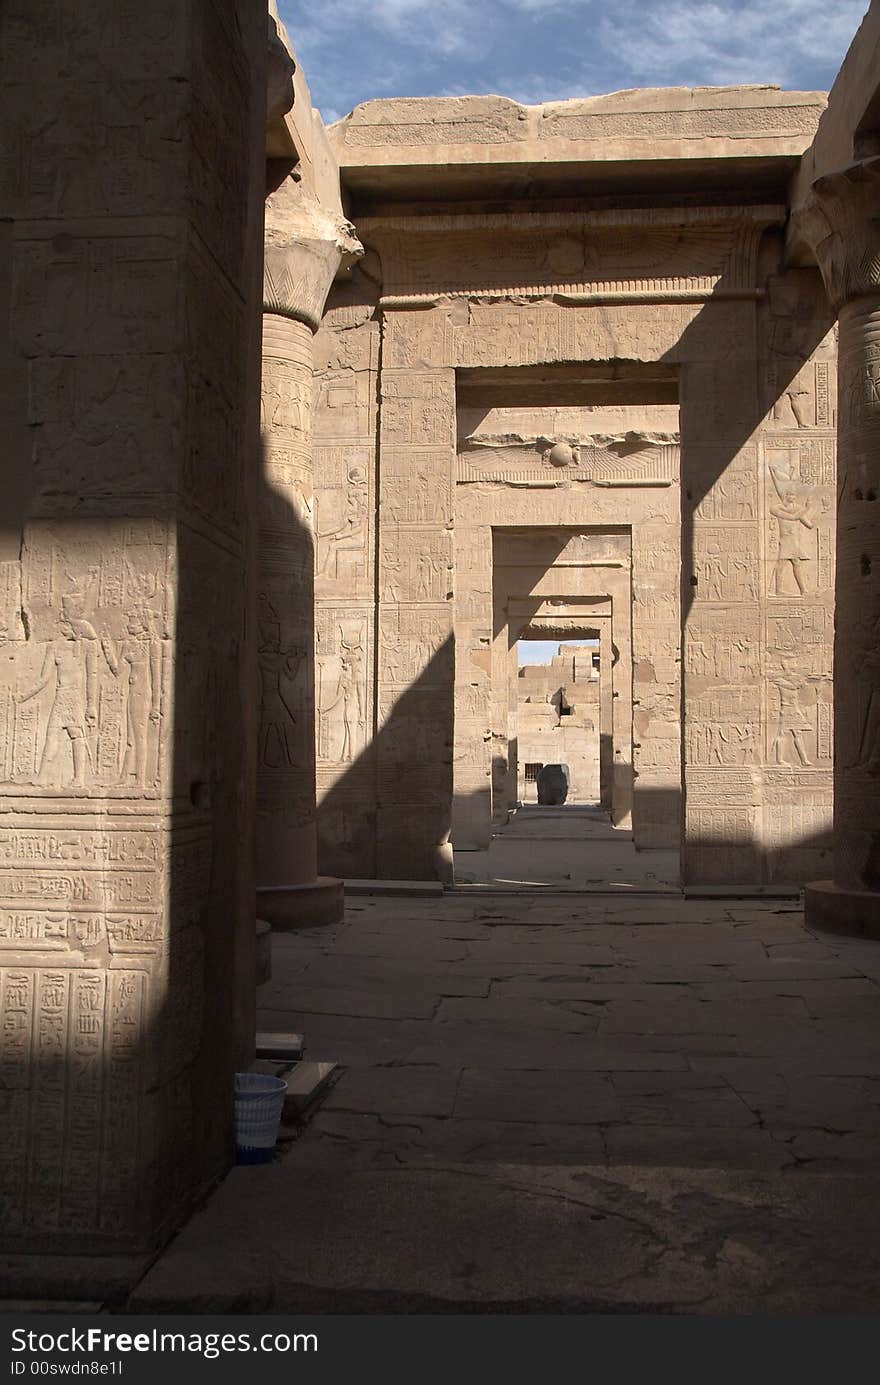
(490, 145)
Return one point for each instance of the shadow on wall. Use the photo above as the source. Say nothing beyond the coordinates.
(390, 807)
(136, 739)
(793, 320)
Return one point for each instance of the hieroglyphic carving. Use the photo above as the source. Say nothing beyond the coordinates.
(414, 485)
(411, 639)
(342, 642)
(802, 630)
(84, 708)
(734, 494)
(416, 566)
(282, 693)
(726, 564)
(868, 710)
(794, 730)
(723, 647)
(417, 408)
(342, 529)
(723, 726)
(628, 253)
(70, 1045)
(800, 508)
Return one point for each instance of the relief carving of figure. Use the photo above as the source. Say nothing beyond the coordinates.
(392, 569)
(347, 702)
(793, 720)
(869, 741)
(429, 578)
(278, 671)
(70, 669)
(349, 536)
(793, 514)
(716, 740)
(736, 495)
(140, 654)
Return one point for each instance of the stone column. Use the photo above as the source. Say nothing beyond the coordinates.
(131, 251)
(305, 247)
(472, 802)
(606, 738)
(510, 794)
(841, 221)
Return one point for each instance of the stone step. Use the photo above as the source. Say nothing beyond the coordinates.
(400, 889)
(281, 1046)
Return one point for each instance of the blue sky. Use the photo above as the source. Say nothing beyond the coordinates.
(550, 50)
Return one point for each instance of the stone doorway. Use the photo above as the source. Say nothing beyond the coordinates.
(566, 585)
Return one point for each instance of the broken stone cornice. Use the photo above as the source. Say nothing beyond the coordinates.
(652, 115)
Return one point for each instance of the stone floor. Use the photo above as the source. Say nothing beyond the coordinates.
(562, 1104)
(569, 847)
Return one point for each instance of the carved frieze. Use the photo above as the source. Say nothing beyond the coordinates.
(651, 253)
(629, 461)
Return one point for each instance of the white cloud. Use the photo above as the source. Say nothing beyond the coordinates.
(541, 50)
(728, 41)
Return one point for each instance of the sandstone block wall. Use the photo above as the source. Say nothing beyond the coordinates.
(729, 515)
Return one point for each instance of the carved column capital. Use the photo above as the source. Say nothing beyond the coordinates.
(306, 245)
(840, 222)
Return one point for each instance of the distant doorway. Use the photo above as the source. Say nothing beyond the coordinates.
(557, 720)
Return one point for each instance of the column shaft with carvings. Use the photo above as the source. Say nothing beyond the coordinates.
(841, 221)
(305, 247)
(131, 281)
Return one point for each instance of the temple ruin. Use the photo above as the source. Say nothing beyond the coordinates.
(307, 429)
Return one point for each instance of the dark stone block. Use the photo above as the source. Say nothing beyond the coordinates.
(553, 784)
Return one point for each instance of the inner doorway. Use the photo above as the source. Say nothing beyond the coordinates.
(559, 833)
(557, 723)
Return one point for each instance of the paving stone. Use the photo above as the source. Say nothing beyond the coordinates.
(580, 1098)
(685, 1017)
(826, 1146)
(399, 1091)
(690, 1077)
(795, 970)
(368, 1004)
(523, 1016)
(686, 1107)
(381, 974)
(427, 1141)
(658, 1144)
(659, 1083)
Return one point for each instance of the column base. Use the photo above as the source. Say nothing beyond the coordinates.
(312, 905)
(836, 909)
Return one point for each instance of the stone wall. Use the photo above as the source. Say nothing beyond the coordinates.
(730, 584)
